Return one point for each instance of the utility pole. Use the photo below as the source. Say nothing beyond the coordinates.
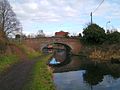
(91, 17)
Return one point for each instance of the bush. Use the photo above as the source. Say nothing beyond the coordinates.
(94, 34)
(113, 37)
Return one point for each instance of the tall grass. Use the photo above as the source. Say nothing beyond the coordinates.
(105, 55)
(101, 52)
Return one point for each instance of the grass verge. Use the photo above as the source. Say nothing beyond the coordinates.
(41, 76)
(6, 61)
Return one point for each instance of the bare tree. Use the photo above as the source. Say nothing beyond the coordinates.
(9, 23)
(40, 33)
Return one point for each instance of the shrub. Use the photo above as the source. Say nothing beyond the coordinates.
(113, 37)
(94, 34)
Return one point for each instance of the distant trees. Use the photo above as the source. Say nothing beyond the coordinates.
(94, 34)
(8, 21)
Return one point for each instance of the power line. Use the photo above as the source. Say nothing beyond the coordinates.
(91, 14)
(98, 6)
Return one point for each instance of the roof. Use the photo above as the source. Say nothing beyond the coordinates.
(61, 33)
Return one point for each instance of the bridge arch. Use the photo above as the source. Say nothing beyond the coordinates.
(68, 48)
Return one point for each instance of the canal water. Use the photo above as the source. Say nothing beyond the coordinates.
(79, 73)
(74, 80)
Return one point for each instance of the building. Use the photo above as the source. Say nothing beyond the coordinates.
(61, 34)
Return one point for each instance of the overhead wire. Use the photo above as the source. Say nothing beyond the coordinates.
(98, 6)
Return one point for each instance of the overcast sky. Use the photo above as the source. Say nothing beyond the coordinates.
(67, 15)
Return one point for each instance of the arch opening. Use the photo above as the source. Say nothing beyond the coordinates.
(56, 45)
(61, 53)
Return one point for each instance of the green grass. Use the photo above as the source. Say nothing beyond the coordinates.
(32, 55)
(41, 76)
(6, 61)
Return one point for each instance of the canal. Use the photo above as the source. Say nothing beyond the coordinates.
(80, 73)
(87, 77)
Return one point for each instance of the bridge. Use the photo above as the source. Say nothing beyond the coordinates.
(40, 43)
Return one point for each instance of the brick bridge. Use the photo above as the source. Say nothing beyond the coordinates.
(40, 43)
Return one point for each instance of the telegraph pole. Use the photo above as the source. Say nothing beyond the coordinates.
(91, 17)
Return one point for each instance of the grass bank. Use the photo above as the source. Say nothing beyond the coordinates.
(6, 61)
(30, 53)
(41, 76)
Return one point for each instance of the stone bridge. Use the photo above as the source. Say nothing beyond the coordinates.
(40, 43)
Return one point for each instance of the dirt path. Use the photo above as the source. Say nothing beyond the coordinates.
(15, 77)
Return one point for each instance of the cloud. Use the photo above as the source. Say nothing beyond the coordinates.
(44, 10)
(60, 11)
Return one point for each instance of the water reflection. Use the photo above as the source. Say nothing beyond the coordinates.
(59, 58)
(54, 61)
(74, 81)
(93, 75)
(89, 76)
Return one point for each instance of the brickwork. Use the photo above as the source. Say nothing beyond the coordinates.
(39, 43)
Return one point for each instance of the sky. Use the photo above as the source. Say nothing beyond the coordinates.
(67, 15)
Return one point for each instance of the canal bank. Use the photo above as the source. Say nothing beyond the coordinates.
(41, 76)
(101, 53)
